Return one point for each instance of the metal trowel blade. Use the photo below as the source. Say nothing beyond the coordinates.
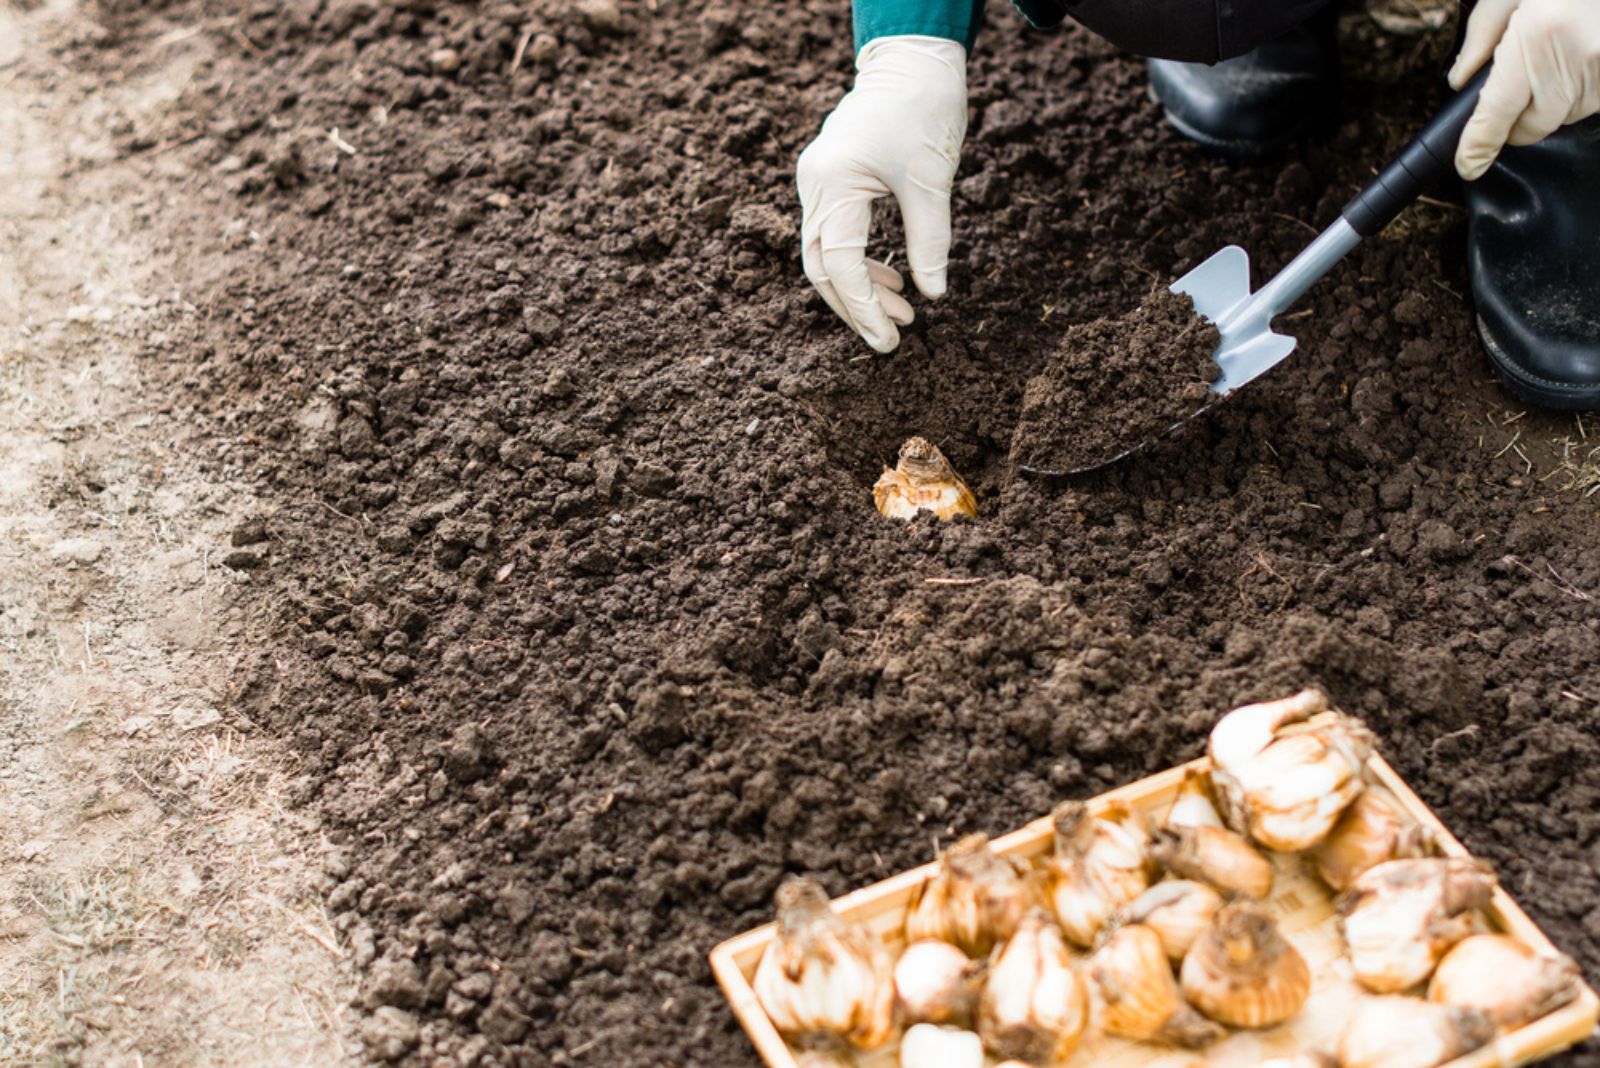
(1218, 286)
(1250, 347)
(1220, 289)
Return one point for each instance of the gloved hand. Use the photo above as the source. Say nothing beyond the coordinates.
(897, 133)
(1546, 74)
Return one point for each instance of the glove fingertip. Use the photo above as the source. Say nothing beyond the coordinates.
(885, 340)
(1467, 63)
(1471, 165)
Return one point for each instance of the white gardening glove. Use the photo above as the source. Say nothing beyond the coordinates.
(1546, 74)
(897, 133)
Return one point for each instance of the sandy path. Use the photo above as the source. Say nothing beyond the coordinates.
(158, 900)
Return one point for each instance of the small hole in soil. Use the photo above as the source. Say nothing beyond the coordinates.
(947, 394)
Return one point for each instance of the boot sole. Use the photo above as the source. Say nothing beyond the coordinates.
(1533, 389)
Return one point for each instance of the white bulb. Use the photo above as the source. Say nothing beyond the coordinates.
(932, 1046)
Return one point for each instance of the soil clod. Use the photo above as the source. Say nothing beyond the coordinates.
(1115, 384)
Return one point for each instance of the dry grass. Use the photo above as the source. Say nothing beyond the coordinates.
(1577, 468)
(159, 898)
(200, 940)
(87, 916)
(1560, 452)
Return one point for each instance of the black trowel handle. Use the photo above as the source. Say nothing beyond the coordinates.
(1421, 163)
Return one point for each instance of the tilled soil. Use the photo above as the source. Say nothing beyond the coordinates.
(1115, 384)
(590, 631)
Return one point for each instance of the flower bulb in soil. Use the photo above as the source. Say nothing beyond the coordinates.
(1113, 384)
(922, 481)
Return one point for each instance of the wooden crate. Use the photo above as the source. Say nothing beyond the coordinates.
(1300, 901)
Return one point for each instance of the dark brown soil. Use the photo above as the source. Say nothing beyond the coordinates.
(1112, 385)
(589, 630)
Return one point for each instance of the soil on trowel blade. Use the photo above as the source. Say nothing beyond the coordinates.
(1114, 384)
(588, 630)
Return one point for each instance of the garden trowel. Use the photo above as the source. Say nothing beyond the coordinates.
(1220, 287)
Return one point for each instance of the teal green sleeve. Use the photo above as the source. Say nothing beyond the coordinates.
(954, 20)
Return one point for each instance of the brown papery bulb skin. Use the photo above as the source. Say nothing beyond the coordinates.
(1399, 917)
(1402, 1032)
(1192, 805)
(1213, 855)
(922, 480)
(1139, 997)
(1098, 864)
(1242, 971)
(974, 901)
(1240, 736)
(1506, 979)
(1035, 1004)
(823, 978)
(1177, 910)
(1372, 830)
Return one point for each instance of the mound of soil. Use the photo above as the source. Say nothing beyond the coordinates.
(589, 630)
(1114, 384)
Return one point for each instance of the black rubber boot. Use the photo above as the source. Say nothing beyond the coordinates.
(1259, 102)
(1533, 252)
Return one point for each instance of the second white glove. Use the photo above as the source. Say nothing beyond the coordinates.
(1546, 74)
(897, 133)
